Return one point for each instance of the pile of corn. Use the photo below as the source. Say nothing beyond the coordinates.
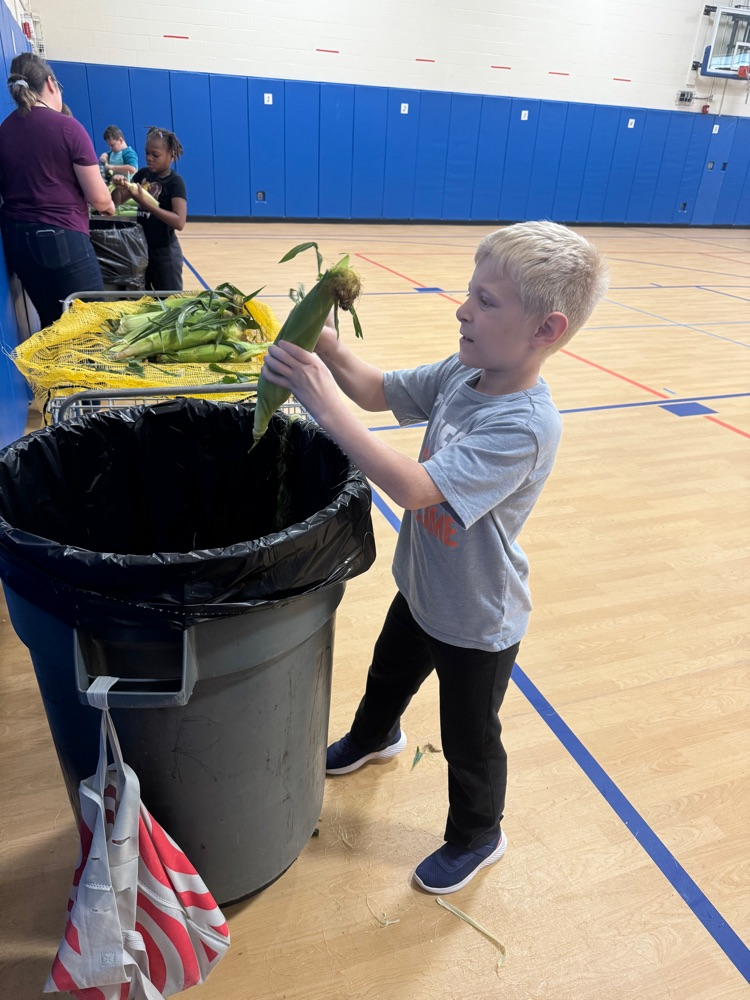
(76, 352)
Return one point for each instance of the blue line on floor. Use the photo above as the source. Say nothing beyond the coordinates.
(187, 262)
(729, 942)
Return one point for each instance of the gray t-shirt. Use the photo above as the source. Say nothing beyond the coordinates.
(458, 564)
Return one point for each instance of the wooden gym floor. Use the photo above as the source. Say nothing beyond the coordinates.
(628, 874)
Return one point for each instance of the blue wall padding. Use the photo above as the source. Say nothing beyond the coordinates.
(266, 122)
(110, 101)
(488, 173)
(230, 134)
(736, 180)
(432, 153)
(301, 140)
(519, 159)
(14, 393)
(400, 154)
(463, 137)
(666, 194)
(368, 152)
(191, 115)
(646, 174)
(572, 164)
(709, 189)
(74, 79)
(336, 147)
(624, 161)
(152, 105)
(544, 170)
(340, 151)
(695, 162)
(601, 149)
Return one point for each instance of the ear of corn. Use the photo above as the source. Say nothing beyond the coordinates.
(149, 199)
(338, 288)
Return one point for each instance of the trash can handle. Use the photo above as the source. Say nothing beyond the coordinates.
(136, 691)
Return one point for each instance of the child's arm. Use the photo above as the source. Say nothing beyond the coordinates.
(125, 169)
(360, 381)
(405, 481)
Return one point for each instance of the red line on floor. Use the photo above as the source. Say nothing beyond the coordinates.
(554, 72)
(424, 60)
(334, 52)
(729, 427)
(186, 37)
(501, 67)
(622, 79)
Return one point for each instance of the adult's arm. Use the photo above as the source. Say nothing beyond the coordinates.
(94, 189)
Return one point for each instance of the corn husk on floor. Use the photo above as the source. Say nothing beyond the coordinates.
(337, 288)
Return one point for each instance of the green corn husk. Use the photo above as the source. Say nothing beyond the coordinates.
(204, 353)
(338, 288)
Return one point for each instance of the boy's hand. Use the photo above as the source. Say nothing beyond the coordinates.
(305, 376)
(119, 181)
(104, 158)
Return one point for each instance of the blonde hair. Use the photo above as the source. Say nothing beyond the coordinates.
(552, 269)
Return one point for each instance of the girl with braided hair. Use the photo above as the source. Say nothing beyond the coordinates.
(49, 174)
(161, 225)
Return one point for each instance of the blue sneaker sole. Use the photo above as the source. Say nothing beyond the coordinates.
(444, 890)
(378, 757)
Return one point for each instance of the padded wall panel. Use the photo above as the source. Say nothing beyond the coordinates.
(622, 169)
(402, 131)
(151, 97)
(572, 165)
(336, 146)
(368, 156)
(230, 137)
(737, 177)
(490, 165)
(191, 114)
(670, 170)
(519, 157)
(463, 138)
(717, 155)
(604, 129)
(547, 153)
(110, 102)
(266, 132)
(647, 166)
(432, 152)
(301, 142)
(76, 95)
(693, 167)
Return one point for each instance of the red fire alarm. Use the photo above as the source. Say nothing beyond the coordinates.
(705, 109)
(28, 29)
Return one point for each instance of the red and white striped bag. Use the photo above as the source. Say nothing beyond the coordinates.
(141, 923)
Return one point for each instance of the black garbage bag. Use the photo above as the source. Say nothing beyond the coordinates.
(122, 252)
(161, 516)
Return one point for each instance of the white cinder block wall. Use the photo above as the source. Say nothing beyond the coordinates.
(621, 52)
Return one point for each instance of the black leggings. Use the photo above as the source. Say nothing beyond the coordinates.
(51, 263)
(472, 687)
(164, 271)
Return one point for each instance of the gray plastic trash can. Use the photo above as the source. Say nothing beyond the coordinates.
(224, 652)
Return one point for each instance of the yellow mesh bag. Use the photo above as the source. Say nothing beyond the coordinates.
(69, 355)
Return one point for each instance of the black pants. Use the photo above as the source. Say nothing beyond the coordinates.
(472, 687)
(164, 271)
(51, 263)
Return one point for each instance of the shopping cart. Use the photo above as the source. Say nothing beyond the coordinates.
(65, 403)
(60, 408)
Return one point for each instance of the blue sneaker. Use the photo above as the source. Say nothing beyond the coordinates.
(450, 868)
(345, 756)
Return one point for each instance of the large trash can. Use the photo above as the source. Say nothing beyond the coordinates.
(145, 544)
(121, 249)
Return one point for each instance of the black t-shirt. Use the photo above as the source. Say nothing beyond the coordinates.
(164, 189)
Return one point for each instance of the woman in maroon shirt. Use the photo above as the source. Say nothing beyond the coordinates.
(49, 174)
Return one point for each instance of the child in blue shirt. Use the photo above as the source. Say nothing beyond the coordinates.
(463, 604)
(121, 160)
